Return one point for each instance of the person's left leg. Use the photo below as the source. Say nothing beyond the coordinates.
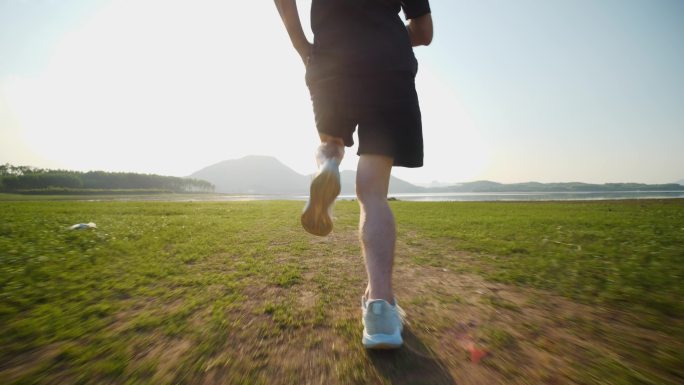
(325, 187)
(331, 148)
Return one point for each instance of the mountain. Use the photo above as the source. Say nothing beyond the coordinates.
(396, 186)
(436, 183)
(489, 186)
(681, 182)
(253, 175)
(267, 175)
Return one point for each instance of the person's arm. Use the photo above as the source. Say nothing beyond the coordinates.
(420, 30)
(419, 27)
(288, 13)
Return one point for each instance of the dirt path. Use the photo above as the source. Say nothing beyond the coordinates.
(461, 330)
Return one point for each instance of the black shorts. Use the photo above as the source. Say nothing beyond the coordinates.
(385, 109)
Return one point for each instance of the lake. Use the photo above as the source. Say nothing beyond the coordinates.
(461, 197)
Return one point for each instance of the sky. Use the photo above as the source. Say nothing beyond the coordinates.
(510, 91)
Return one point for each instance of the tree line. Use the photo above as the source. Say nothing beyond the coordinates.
(32, 179)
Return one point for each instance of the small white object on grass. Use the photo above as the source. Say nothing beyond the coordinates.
(81, 226)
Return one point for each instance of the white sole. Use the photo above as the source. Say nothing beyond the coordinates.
(382, 341)
(325, 187)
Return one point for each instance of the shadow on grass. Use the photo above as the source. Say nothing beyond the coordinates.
(414, 363)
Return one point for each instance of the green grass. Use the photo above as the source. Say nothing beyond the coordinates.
(629, 254)
(179, 292)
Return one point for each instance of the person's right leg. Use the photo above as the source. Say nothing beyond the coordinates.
(376, 224)
(382, 321)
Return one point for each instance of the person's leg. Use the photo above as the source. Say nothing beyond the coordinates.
(325, 186)
(331, 147)
(376, 224)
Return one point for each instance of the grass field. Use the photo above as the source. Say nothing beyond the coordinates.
(237, 293)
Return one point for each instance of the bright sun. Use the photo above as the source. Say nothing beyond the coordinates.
(173, 88)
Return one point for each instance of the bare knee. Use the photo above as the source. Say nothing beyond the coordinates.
(370, 191)
(372, 178)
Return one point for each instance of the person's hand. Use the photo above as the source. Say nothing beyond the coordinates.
(288, 13)
(420, 30)
(305, 52)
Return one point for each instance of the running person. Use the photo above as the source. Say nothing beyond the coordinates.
(360, 71)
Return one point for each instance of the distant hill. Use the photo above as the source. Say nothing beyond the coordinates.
(253, 175)
(489, 186)
(397, 186)
(436, 183)
(33, 180)
(267, 175)
(681, 182)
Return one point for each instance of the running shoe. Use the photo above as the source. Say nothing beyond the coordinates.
(325, 187)
(382, 324)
